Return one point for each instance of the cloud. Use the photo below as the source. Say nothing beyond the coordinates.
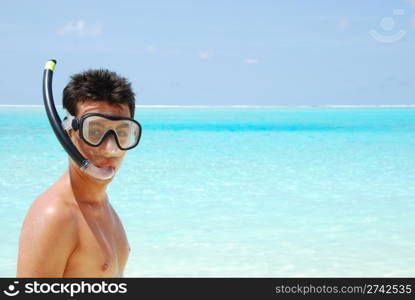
(396, 82)
(411, 2)
(151, 49)
(343, 24)
(81, 28)
(205, 55)
(250, 61)
(175, 84)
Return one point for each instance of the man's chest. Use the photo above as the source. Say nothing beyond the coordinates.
(102, 249)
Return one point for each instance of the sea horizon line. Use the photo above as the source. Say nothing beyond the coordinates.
(245, 106)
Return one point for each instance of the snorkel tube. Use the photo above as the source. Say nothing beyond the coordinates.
(56, 123)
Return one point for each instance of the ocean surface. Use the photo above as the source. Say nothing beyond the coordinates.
(240, 192)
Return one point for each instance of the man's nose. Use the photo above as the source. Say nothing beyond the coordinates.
(109, 145)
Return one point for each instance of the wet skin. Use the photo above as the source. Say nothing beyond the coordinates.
(71, 230)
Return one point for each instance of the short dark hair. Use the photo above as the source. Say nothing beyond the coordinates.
(98, 85)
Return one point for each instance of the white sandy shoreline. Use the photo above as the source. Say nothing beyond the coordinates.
(243, 106)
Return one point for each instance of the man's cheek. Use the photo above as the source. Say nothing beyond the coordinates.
(86, 151)
(89, 152)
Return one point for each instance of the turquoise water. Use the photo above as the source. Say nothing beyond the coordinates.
(241, 192)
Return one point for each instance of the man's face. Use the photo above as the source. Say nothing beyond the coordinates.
(103, 155)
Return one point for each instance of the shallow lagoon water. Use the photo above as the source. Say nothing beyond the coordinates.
(241, 192)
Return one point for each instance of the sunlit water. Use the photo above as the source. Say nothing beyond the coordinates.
(240, 192)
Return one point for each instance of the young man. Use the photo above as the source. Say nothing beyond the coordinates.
(71, 230)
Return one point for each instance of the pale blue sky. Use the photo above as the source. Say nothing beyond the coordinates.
(216, 52)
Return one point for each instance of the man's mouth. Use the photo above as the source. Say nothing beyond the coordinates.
(106, 163)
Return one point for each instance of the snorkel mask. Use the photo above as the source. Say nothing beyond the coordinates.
(93, 128)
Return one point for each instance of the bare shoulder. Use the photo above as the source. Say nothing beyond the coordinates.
(52, 209)
(48, 235)
(114, 213)
(119, 224)
(117, 219)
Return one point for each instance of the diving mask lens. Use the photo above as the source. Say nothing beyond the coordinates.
(95, 128)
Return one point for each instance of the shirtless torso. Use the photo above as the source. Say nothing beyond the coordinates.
(64, 236)
(71, 230)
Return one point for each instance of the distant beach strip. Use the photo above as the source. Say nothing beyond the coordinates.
(246, 106)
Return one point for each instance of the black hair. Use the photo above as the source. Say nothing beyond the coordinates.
(98, 85)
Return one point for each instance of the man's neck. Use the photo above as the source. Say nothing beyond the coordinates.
(86, 189)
